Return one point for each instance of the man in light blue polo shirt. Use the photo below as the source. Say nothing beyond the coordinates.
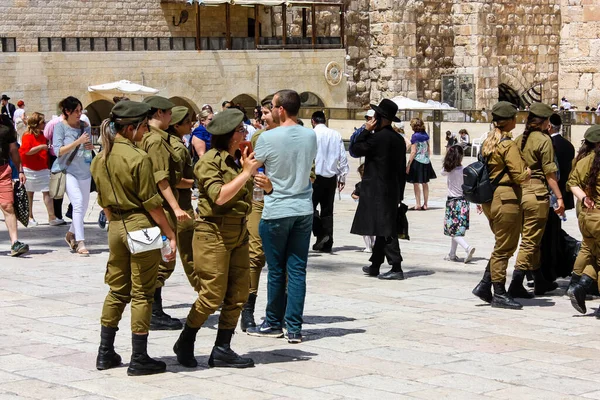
(287, 153)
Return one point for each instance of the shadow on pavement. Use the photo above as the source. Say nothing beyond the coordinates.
(279, 356)
(418, 272)
(537, 302)
(324, 319)
(315, 334)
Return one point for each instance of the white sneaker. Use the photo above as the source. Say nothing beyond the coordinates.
(451, 258)
(32, 222)
(367, 250)
(469, 256)
(57, 222)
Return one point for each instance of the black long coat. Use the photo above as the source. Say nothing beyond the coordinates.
(382, 185)
(565, 152)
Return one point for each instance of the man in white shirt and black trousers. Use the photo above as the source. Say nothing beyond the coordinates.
(331, 168)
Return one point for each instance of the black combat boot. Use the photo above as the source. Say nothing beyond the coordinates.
(247, 320)
(541, 285)
(516, 288)
(578, 291)
(141, 363)
(223, 356)
(574, 281)
(107, 357)
(502, 299)
(184, 347)
(483, 290)
(161, 321)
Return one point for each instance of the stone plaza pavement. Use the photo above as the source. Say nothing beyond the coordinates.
(425, 337)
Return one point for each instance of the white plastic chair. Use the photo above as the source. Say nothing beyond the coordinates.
(476, 145)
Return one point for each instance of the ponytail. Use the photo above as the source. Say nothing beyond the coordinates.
(493, 138)
(108, 131)
(534, 123)
(591, 190)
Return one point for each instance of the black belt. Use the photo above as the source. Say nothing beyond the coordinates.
(226, 220)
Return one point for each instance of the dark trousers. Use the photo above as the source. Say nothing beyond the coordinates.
(57, 202)
(323, 196)
(386, 247)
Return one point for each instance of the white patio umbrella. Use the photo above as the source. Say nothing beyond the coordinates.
(123, 87)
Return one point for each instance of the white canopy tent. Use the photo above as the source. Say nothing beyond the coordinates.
(404, 103)
(123, 87)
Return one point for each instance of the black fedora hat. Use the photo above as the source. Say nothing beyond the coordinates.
(5, 97)
(387, 109)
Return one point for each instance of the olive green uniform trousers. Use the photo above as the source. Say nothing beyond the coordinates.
(589, 225)
(221, 265)
(504, 216)
(185, 236)
(165, 269)
(535, 206)
(257, 255)
(131, 277)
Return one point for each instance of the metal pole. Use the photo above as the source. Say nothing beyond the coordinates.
(258, 85)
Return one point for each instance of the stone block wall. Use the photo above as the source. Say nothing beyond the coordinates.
(43, 79)
(579, 57)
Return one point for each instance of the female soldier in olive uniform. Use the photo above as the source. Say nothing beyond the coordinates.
(584, 182)
(128, 196)
(181, 124)
(538, 153)
(221, 259)
(504, 211)
(164, 166)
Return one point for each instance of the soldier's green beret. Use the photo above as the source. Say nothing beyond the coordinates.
(159, 102)
(592, 135)
(504, 110)
(224, 122)
(179, 113)
(130, 109)
(541, 110)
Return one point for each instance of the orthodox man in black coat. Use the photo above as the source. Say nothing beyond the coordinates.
(557, 257)
(382, 188)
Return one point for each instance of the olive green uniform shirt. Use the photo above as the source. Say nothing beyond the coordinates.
(130, 170)
(185, 170)
(507, 155)
(163, 157)
(538, 154)
(580, 174)
(215, 169)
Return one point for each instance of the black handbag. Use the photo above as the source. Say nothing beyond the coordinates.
(21, 203)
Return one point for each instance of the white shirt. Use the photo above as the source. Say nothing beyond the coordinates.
(331, 154)
(455, 181)
(250, 130)
(85, 119)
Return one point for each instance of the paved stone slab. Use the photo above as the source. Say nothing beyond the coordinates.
(423, 338)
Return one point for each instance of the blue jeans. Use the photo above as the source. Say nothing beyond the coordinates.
(286, 242)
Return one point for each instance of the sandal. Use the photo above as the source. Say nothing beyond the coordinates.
(415, 208)
(70, 239)
(424, 208)
(81, 250)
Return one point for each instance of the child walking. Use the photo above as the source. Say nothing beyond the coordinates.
(369, 240)
(456, 218)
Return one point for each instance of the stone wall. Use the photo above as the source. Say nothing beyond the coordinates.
(413, 43)
(579, 57)
(43, 79)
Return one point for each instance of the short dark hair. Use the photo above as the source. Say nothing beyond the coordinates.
(318, 117)
(69, 104)
(224, 103)
(290, 101)
(221, 142)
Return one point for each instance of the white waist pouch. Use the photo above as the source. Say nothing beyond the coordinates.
(144, 240)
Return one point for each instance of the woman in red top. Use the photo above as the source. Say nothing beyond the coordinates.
(34, 157)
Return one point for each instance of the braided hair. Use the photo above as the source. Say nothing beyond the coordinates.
(534, 123)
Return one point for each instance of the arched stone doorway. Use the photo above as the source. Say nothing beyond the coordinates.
(507, 93)
(309, 99)
(247, 102)
(184, 101)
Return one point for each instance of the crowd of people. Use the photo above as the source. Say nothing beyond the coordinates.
(264, 186)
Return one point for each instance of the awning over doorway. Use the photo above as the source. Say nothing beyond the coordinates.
(123, 87)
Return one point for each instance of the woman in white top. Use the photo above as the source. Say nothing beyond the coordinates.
(456, 218)
(73, 135)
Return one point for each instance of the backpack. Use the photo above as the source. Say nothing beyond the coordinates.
(476, 186)
(357, 131)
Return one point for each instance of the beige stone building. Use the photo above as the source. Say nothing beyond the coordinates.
(467, 53)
